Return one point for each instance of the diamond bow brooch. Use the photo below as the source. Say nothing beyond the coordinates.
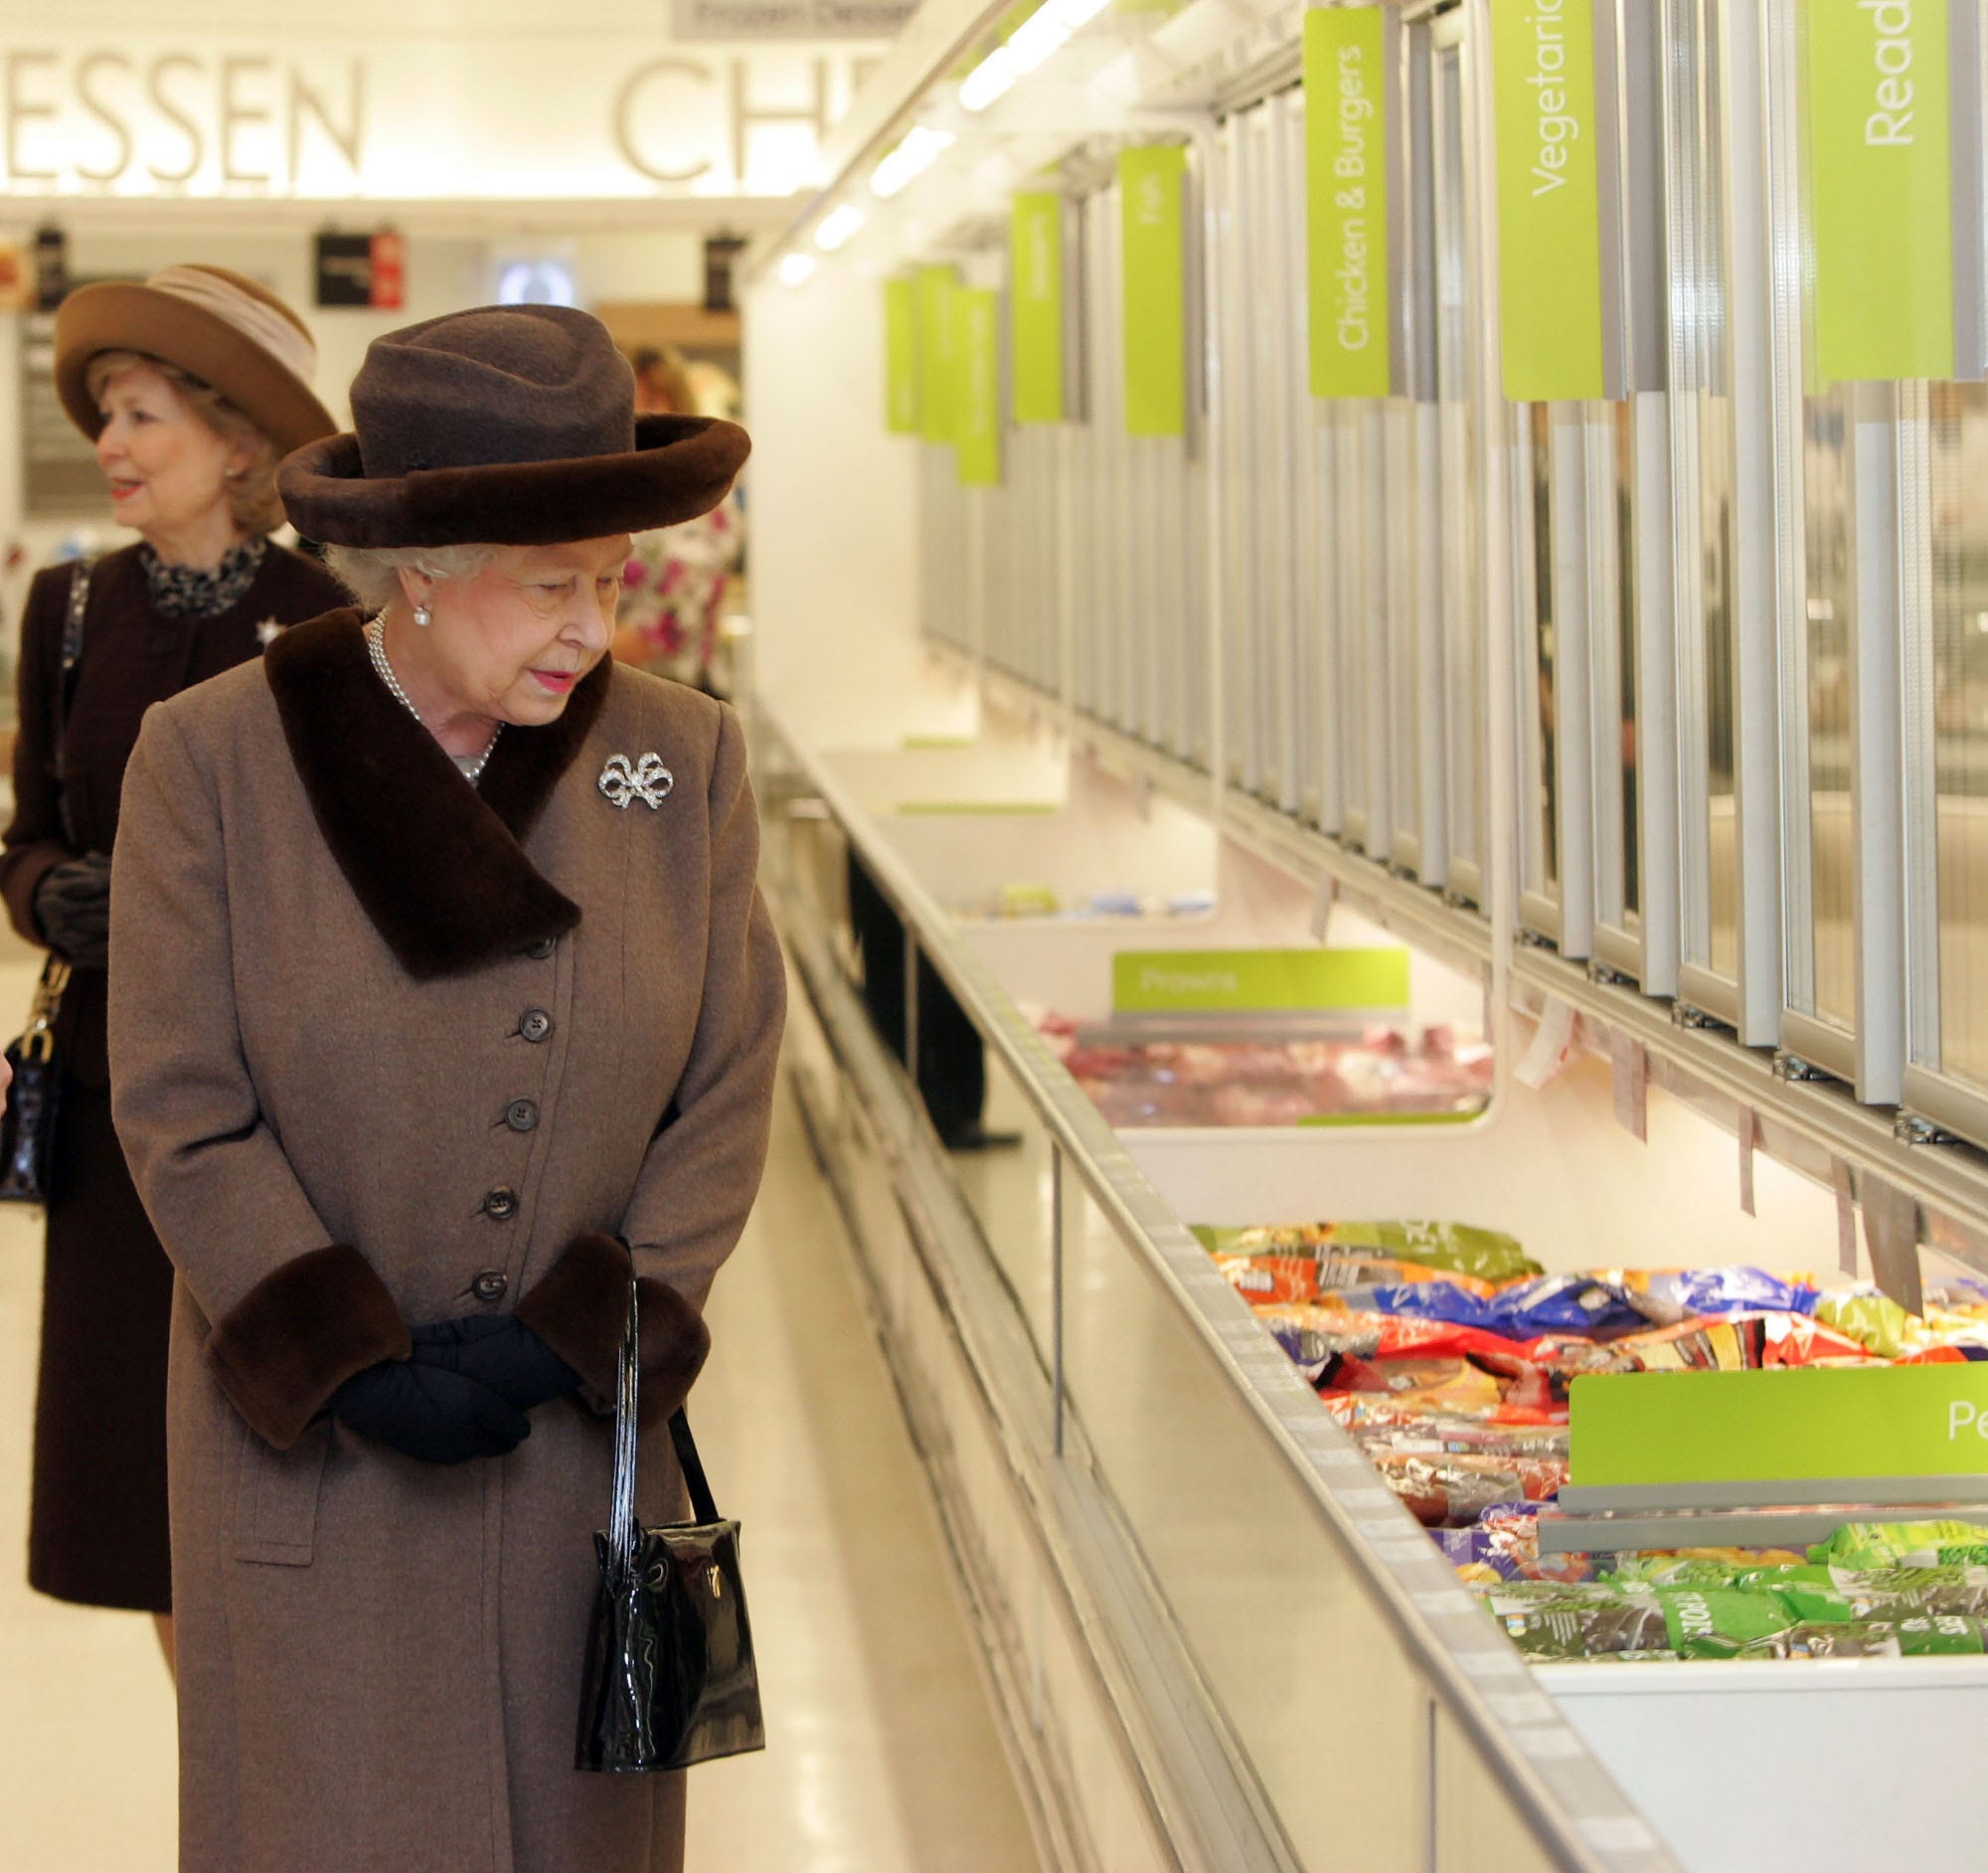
(647, 781)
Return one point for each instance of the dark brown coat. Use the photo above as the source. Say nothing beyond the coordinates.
(100, 1423)
(354, 1000)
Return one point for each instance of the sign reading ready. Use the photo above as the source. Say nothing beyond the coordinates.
(1255, 981)
(1035, 274)
(1549, 199)
(1881, 183)
(1151, 183)
(900, 357)
(979, 387)
(1771, 1427)
(1346, 200)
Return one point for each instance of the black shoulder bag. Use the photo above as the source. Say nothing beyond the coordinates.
(671, 1679)
(28, 1128)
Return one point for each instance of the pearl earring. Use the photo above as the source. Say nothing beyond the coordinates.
(423, 616)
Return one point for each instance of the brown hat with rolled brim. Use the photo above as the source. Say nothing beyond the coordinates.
(507, 425)
(222, 327)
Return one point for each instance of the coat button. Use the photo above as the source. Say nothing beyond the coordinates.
(536, 1024)
(490, 1284)
(542, 949)
(501, 1203)
(521, 1115)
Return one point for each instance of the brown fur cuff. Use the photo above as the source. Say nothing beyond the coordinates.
(299, 1334)
(581, 1308)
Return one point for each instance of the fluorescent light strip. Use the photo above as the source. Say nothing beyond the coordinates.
(837, 226)
(911, 158)
(796, 269)
(1032, 43)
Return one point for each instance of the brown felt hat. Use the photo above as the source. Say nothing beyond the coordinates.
(233, 334)
(507, 425)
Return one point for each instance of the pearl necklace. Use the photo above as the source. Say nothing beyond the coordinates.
(376, 643)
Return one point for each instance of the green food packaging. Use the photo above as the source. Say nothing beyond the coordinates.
(1867, 1544)
(1456, 1248)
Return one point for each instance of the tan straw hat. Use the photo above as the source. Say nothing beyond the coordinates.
(213, 324)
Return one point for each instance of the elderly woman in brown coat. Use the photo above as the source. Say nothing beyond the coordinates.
(444, 1000)
(193, 385)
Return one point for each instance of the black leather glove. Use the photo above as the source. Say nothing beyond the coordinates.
(72, 907)
(498, 1351)
(438, 1416)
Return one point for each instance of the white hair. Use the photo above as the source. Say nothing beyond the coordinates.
(372, 574)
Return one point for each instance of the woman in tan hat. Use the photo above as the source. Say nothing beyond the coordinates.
(192, 385)
(444, 1001)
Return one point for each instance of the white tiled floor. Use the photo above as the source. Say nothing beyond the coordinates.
(883, 1756)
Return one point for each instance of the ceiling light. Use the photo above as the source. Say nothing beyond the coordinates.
(988, 80)
(912, 157)
(1040, 35)
(796, 268)
(837, 226)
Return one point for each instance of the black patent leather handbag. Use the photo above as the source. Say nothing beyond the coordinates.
(671, 1679)
(34, 1099)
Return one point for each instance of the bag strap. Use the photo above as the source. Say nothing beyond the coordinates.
(73, 619)
(621, 1526)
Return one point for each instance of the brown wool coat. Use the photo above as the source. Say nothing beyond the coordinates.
(100, 1425)
(386, 1049)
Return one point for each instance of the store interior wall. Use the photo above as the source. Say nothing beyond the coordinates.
(841, 496)
(447, 270)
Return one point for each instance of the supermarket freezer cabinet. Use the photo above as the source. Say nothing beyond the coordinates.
(1261, 1604)
(1311, 1638)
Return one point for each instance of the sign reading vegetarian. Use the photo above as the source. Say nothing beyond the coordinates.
(1549, 199)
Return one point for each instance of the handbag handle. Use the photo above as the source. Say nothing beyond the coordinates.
(73, 619)
(621, 1526)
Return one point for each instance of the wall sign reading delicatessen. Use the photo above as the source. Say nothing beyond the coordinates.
(502, 118)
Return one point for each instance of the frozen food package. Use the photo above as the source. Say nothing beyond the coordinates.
(1561, 1628)
(1875, 1320)
(1483, 1255)
(1667, 1296)
(1931, 1544)
(1921, 1635)
(1698, 1345)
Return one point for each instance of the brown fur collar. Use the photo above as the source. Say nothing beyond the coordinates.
(436, 865)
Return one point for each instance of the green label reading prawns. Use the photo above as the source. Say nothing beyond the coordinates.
(1256, 981)
(1346, 201)
(1549, 199)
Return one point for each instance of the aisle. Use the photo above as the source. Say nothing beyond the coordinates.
(883, 1755)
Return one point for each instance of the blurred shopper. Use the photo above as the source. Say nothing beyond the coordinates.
(439, 979)
(192, 386)
(676, 580)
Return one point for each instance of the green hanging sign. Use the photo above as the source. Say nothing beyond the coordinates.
(939, 353)
(1549, 307)
(900, 357)
(1034, 290)
(1151, 191)
(1880, 171)
(1644, 1428)
(1256, 981)
(1346, 200)
(978, 407)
